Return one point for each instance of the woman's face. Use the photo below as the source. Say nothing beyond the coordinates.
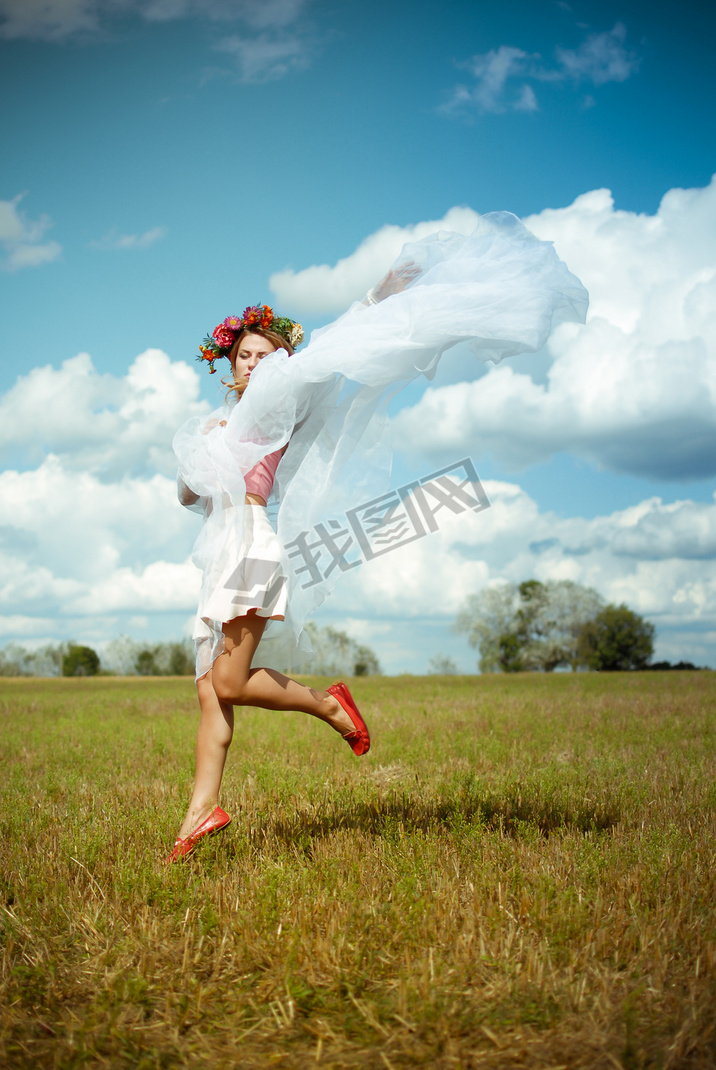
(252, 349)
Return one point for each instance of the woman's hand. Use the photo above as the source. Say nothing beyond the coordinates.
(186, 497)
(394, 282)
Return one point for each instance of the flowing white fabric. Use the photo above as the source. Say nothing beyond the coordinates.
(501, 290)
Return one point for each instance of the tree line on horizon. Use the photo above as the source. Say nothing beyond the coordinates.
(526, 627)
(335, 653)
(540, 627)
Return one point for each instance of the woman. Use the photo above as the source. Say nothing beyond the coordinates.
(230, 680)
(318, 422)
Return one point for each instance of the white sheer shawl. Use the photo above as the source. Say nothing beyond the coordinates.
(500, 289)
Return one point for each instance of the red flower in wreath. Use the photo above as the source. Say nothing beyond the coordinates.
(223, 336)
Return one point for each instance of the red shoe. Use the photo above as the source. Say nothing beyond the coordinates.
(358, 741)
(214, 823)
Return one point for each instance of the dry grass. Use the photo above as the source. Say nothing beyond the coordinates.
(519, 874)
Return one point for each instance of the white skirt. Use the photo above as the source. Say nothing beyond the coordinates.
(253, 579)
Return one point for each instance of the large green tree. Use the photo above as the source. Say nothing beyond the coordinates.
(532, 625)
(616, 640)
(489, 619)
(558, 613)
(80, 661)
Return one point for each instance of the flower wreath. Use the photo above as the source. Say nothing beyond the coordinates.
(219, 342)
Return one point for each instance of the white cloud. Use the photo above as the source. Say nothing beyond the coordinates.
(601, 58)
(325, 289)
(77, 547)
(50, 20)
(82, 529)
(101, 424)
(21, 239)
(131, 241)
(526, 99)
(260, 14)
(658, 558)
(271, 43)
(633, 390)
(56, 20)
(162, 587)
(95, 529)
(19, 626)
(492, 71)
(266, 57)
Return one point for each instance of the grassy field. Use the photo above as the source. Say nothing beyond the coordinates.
(521, 873)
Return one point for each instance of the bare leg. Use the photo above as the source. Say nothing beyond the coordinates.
(216, 727)
(231, 682)
(236, 682)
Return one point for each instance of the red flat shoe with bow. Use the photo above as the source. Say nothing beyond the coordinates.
(359, 740)
(215, 822)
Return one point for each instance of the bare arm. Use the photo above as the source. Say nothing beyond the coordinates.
(186, 496)
(393, 283)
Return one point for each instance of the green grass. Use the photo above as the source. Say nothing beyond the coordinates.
(520, 873)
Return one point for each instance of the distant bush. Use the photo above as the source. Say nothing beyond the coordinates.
(335, 654)
(616, 640)
(127, 657)
(121, 657)
(80, 661)
(680, 666)
(442, 665)
(17, 660)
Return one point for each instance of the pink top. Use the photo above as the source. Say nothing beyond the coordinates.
(260, 479)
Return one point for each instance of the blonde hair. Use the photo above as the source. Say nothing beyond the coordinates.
(235, 387)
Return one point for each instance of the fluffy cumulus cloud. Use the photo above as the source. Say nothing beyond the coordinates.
(660, 559)
(633, 390)
(324, 289)
(106, 425)
(22, 240)
(273, 38)
(504, 79)
(74, 546)
(92, 533)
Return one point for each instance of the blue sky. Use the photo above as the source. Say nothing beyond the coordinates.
(165, 159)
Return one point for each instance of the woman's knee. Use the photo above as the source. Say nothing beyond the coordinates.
(206, 691)
(226, 685)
